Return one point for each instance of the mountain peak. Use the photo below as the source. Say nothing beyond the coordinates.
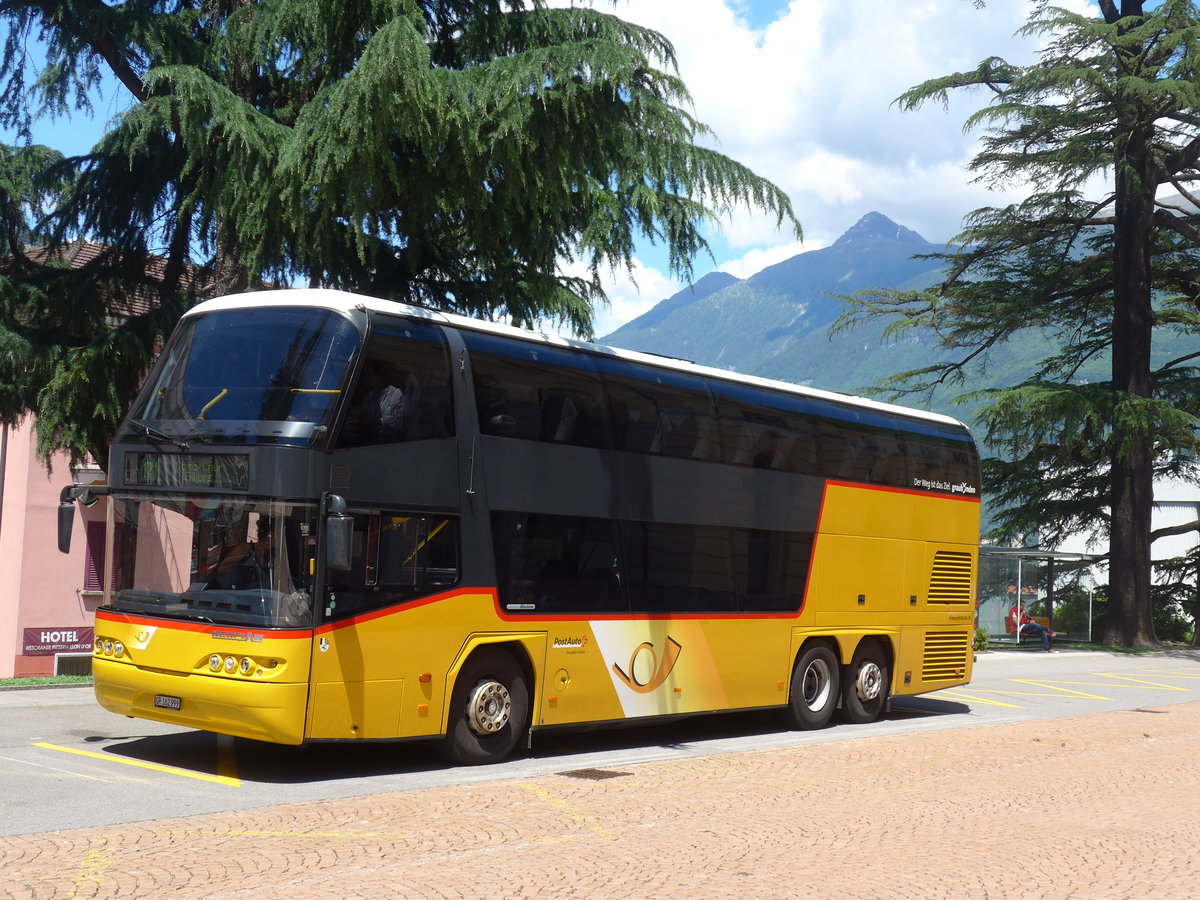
(693, 293)
(875, 227)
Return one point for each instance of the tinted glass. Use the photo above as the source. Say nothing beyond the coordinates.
(395, 557)
(862, 445)
(267, 374)
(770, 569)
(660, 411)
(557, 564)
(941, 458)
(537, 392)
(403, 389)
(684, 568)
(767, 429)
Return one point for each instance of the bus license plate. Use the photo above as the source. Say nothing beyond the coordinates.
(162, 701)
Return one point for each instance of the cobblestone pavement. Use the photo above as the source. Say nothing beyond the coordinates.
(1095, 807)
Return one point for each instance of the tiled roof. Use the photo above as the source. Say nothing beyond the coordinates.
(140, 296)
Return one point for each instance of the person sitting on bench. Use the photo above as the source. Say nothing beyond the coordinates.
(1027, 626)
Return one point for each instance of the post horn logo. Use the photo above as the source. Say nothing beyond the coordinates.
(661, 668)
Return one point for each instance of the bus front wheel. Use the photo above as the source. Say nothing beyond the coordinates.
(865, 689)
(814, 692)
(489, 709)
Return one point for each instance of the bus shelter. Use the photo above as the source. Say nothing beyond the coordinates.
(1054, 588)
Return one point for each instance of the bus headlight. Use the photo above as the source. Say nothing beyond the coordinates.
(230, 664)
(108, 647)
(214, 663)
(245, 665)
(118, 649)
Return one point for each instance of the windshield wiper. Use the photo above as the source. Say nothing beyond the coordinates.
(157, 436)
(195, 435)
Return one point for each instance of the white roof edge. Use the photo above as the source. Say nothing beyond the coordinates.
(324, 298)
(346, 302)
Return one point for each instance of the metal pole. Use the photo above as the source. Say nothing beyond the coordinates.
(1091, 591)
(1020, 603)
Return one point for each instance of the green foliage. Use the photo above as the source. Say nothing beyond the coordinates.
(1105, 278)
(981, 640)
(44, 681)
(1177, 597)
(458, 154)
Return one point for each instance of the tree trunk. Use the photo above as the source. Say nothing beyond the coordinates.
(1131, 617)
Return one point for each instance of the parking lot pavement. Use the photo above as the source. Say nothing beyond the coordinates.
(1095, 807)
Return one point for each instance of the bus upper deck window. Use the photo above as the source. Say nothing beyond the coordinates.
(403, 391)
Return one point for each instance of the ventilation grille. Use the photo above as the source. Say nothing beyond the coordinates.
(945, 655)
(340, 478)
(950, 581)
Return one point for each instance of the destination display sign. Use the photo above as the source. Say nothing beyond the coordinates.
(189, 470)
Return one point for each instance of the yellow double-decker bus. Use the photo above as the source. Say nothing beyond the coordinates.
(338, 518)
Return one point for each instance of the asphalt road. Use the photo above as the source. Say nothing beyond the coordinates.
(66, 763)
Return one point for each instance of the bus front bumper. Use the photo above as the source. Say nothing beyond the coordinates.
(265, 711)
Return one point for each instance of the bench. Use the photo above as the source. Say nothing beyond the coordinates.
(1011, 628)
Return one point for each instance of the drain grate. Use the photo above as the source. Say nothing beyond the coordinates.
(594, 774)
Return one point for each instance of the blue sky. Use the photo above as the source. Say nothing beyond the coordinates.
(801, 91)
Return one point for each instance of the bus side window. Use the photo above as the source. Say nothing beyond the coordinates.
(396, 558)
(679, 568)
(537, 392)
(770, 569)
(637, 426)
(403, 391)
(660, 411)
(548, 563)
(759, 430)
(418, 552)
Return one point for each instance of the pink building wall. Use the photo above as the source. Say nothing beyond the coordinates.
(40, 588)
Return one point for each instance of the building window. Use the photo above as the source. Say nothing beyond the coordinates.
(93, 562)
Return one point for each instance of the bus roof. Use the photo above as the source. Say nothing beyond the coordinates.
(346, 302)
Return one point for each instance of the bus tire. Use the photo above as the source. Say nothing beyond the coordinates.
(489, 709)
(865, 687)
(814, 692)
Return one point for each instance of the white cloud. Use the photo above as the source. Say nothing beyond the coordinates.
(808, 101)
(630, 293)
(760, 257)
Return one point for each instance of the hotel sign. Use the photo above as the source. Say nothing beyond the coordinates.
(50, 640)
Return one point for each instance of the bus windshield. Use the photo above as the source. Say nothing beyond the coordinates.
(213, 559)
(263, 375)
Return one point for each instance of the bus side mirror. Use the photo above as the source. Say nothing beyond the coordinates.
(339, 535)
(66, 518)
(66, 511)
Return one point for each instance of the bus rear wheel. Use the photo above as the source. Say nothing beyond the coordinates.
(865, 690)
(814, 690)
(489, 710)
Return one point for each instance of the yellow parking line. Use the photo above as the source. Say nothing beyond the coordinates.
(959, 695)
(155, 767)
(90, 880)
(1142, 682)
(572, 812)
(1167, 673)
(1055, 685)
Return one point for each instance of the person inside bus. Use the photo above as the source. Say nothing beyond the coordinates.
(245, 563)
(379, 415)
(1028, 626)
(235, 567)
